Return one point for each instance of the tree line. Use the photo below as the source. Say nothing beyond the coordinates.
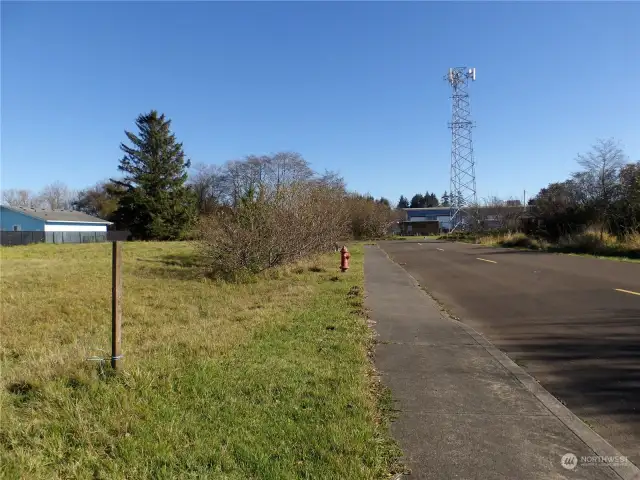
(159, 196)
(427, 200)
(603, 194)
(55, 196)
(254, 212)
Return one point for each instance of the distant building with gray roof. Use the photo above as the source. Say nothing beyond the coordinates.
(57, 226)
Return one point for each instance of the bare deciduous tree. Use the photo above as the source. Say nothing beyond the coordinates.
(259, 172)
(599, 178)
(236, 180)
(500, 214)
(56, 196)
(19, 198)
(285, 168)
(207, 181)
(331, 179)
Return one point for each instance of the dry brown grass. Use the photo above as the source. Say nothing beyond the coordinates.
(590, 242)
(631, 241)
(56, 306)
(513, 240)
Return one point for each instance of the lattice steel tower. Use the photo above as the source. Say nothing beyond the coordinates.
(462, 198)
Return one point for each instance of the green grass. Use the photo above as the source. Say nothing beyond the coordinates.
(269, 379)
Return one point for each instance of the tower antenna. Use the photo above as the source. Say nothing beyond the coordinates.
(463, 200)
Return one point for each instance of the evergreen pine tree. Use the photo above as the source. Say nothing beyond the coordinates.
(403, 202)
(155, 203)
(430, 200)
(444, 201)
(417, 201)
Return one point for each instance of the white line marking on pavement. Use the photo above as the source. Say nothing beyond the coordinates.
(626, 291)
(485, 260)
(441, 249)
(420, 244)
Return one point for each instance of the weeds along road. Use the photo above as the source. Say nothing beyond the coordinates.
(571, 322)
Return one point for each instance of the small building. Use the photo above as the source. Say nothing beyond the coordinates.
(21, 225)
(425, 221)
(419, 227)
(511, 216)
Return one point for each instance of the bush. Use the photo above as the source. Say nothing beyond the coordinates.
(631, 241)
(287, 212)
(513, 240)
(520, 240)
(589, 241)
(459, 237)
(369, 219)
(268, 229)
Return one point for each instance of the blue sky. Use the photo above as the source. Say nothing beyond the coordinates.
(355, 87)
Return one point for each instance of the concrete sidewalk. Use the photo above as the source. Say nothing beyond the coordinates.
(465, 410)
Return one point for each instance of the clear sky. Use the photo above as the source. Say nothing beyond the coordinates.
(355, 87)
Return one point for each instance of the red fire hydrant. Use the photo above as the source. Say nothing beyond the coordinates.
(344, 259)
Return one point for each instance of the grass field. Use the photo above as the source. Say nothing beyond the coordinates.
(269, 379)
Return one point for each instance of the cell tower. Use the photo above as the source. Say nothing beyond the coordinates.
(462, 198)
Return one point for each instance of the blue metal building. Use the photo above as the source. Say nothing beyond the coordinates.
(439, 214)
(56, 226)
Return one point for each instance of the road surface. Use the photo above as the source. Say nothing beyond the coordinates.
(571, 322)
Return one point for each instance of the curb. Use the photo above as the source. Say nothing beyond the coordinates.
(595, 442)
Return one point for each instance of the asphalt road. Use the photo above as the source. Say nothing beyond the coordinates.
(571, 322)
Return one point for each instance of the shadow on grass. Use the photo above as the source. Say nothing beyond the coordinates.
(183, 260)
(196, 267)
(175, 266)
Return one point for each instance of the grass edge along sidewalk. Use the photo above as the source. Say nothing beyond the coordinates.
(269, 379)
